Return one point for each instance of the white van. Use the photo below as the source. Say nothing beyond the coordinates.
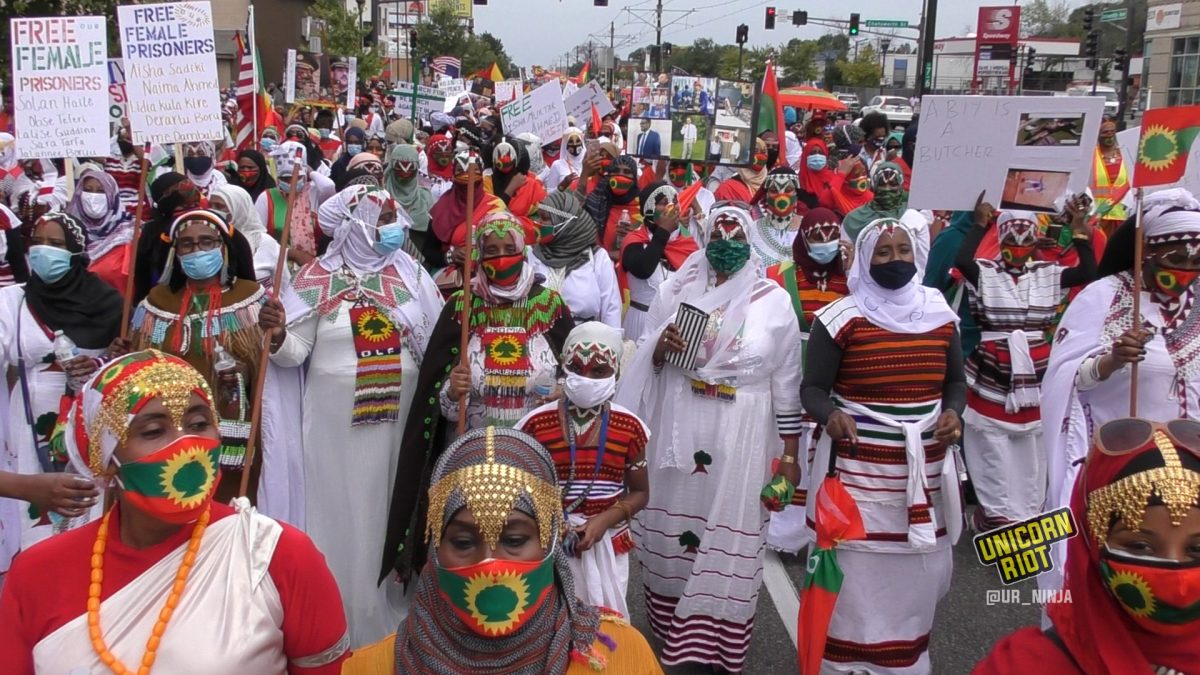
(1112, 104)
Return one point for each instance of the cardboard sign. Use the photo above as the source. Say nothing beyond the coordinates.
(1026, 152)
(60, 86)
(429, 100)
(507, 91)
(540, 112)
(117, 97)
(170, 61)
(579, 104)
(303, 80)
(451, 86)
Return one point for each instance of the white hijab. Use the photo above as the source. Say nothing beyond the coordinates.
(911, 309)
(351, 218)
(243, 217)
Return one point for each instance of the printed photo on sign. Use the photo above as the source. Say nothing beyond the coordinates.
(308, 76)
(1034, 189)
(339, 77)
(648, 137)
(693, 94)
(689, 134)
(1038, 129)
(650, 103)
(731, 138)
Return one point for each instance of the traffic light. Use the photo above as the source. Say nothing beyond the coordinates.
(1030, 52)
(666, 50)
(854, 24)
(1120, 60)
(1012, 58)
(1089, 19)
(799, 18)
(480, 2)
(743, 34)
(600, 3)
(770, 22)
(1092, 46)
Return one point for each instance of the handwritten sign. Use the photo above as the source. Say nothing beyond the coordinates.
(507, 91)
(60, 85)
(429, 100)
(968, 144)
(540, 112)
(170, 61)
(579, 104)
(117, 98)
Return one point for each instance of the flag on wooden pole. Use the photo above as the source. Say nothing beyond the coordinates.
(1167, 137)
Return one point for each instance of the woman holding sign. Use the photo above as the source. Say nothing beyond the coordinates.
(718, 426)
(97, 206)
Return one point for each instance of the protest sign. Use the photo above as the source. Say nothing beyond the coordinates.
(451, 86)
(579, 104)
(302, 81)
(540, 112)
(170, 60)
(1026, 152)
(116, 91)
(60, 78)
(1131, 138)
(429, 100)
(507, 91)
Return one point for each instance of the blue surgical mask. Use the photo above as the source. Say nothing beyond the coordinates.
(202, 265)
(49, 263)
(824, 252)
(817, 162)
(268, 144)
(391, 238)
(285, 183)
(324, 133)
(353, 149)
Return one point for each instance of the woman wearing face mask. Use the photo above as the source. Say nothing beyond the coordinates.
(312, 189)
(887, 198)
(356, 140)
(741, 188)
(253, 174)
(439, 176)
(510, 535)
(1132, 572)
(569, 167)
(550, 153)
(1088, 379)
(234, 205)
(401, 180)
(199, 166)
(890, 427)
(61, 295)
(724, 424)
(97, 206)
(567, 258)
(650, 253)
(208, 299)
(360, 316)
(1110, 179)
(815, 276)
(600, 497)
(166, 564)
(1014, 300)
(520, 190)
(613, 205)
(448, 218)
(367, 161)
(518, 327)
(172, 194)
(775, 231)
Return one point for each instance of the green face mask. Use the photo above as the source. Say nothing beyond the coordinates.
(889, 198)
(727, 256)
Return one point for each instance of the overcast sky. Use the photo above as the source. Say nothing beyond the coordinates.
(540, 31)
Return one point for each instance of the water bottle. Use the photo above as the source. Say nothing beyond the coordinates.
(65, 350)
(622, 222)
(542, 385)
(223, 362)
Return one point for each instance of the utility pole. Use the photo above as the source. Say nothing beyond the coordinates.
(928, 38)
(658, 35)
(612, 36)
(1125, 75)
(658, 25)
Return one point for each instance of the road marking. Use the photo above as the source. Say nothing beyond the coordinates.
(783, 592)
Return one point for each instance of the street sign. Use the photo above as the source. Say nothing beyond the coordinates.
(887, 23)
(1114, 14)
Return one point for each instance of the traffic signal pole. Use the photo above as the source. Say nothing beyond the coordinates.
(1123, 99)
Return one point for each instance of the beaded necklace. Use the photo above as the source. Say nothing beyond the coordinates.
(160, 626)
(571, 447)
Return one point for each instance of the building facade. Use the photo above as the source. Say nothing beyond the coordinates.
(1171, 68)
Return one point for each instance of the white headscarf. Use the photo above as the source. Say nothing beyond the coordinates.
(351, 218)
(598, 338)
(480, 284)
(284, 155)
(206, 149)
(1184, 222)
(243, 217)
(910, 309)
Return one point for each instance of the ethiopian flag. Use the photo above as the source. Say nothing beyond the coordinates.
(1167, 136)
(583, 73)
(493, 73)
(837, 520)
(770, 112)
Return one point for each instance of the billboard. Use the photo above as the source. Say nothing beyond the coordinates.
(996, 41)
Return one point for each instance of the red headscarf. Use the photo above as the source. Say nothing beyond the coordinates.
(843, 197)
(1098, 632)
(815, 182)
(440, 143)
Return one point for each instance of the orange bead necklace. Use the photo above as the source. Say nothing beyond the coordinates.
(160, 626)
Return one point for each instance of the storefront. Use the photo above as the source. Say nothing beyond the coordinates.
(1172, 63)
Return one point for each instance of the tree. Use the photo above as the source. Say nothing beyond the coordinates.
(863, 71)
(343, 35)
(702, 58)
(797, 62)
(443, 34)
(1045, 18)
(490, 45)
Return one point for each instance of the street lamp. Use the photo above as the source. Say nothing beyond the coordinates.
(884, 44)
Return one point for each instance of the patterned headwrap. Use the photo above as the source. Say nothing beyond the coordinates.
(1171, 215)
(493, 471)
(725, 219)
(98, 420)
(1019, 228)
(596, 343)
(501, 224)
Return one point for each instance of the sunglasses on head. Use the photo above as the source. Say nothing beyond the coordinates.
(1123, 436)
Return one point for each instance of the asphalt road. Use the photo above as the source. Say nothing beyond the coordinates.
(964, 631)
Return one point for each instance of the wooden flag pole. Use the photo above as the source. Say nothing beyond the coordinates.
(264, 356)
(1137, 301)
(135, 241)
(465, 333)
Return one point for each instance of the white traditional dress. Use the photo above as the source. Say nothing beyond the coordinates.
(590, 291)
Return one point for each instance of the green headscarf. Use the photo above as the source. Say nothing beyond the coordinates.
(574, 238)
(890, 201)
(415, 199)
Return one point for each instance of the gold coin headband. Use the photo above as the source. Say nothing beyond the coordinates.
(1127, 498)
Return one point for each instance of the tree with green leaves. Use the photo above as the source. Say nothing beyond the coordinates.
(443, 33)
(864, 71)
(797, 62)
(343, 35)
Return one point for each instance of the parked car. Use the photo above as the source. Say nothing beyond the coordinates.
(897, 109)
(1112, 101)
(851, 101)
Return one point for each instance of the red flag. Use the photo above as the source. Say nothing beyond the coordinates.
(596, 120)
(770, 111)
(837, 520)
(1167, 136)
(687, 197)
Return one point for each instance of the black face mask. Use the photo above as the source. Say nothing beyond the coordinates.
(772, 155)
(125, 146)
(893, 274)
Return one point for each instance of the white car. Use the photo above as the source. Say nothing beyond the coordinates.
(897, 109)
